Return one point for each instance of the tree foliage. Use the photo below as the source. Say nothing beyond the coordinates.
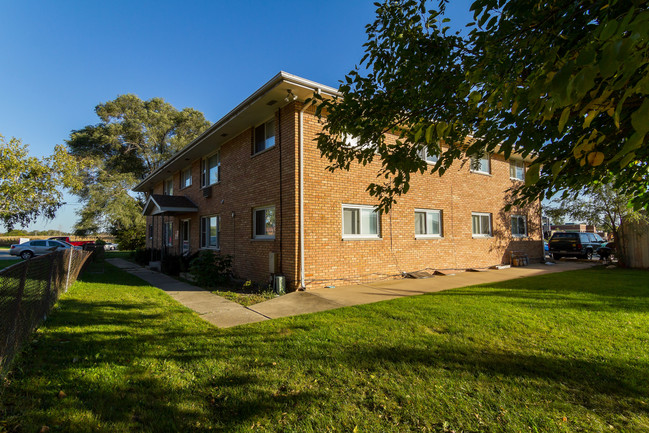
(563, 81)
(133, 138)
(31, 187)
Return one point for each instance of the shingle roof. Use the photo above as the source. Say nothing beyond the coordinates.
(168, 204)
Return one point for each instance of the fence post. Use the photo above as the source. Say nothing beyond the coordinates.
(67, 279)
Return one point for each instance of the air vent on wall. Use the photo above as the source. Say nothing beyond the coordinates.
(207, 192)
(272, 102)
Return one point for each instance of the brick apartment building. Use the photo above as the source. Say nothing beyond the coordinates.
(254, 186)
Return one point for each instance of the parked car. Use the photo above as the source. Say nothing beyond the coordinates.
(109, 246)
(574, 244)
(27, 250)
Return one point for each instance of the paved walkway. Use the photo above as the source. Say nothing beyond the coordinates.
(224, 313)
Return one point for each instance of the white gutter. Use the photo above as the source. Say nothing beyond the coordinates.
(301, 182)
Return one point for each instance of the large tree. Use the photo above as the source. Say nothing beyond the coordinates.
(565, 81)
(31, 187)
(131, 140)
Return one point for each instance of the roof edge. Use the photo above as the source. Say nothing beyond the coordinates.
(269, 85)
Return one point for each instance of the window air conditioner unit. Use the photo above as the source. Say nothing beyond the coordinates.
(207, 192)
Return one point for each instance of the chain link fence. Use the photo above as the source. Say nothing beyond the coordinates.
(28, 290)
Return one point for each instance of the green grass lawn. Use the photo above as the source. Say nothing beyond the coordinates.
(9, 262)
(556, 353)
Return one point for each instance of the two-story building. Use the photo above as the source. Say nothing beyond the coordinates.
(255, 186)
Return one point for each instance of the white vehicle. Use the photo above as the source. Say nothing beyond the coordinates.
(33, 248)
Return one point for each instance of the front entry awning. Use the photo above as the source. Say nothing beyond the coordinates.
(168, 205)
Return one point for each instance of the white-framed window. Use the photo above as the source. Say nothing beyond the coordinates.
(360, 222)
(168, 233)
(519, 225)
(481, 164)
(263, 222)
(264, 136)
(186, 178)
(517, 169)
(211, 232)
(211, 169)
(168, 186)
(355, 143)
(428, 223)
(481, 224)
(431, 159)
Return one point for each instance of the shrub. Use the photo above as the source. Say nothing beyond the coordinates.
(210, 269)
(171, 264)
(142, 256)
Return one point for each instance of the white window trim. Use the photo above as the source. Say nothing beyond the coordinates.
(481, 236)
(377, 236)
(487, 173)
(255, 236)
(441, 225)
(524, 224)
(516, 161)
(191, 178)
(423, 153)
(254, 137)
(218, 231)
(352, 142)
(204, 169)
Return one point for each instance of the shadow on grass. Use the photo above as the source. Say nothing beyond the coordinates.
(152, 365)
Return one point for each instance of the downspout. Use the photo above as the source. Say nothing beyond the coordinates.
(301, 188)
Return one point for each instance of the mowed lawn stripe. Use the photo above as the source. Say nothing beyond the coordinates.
(559, 352)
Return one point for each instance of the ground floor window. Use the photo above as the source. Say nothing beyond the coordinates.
(263, 222)
(519, 225)
(360, 222)
(211, 232)
(481, 224)
(428, 223)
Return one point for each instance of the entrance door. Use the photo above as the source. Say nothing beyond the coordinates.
(184, 233)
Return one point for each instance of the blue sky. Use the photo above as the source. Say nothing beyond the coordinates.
(61, 58)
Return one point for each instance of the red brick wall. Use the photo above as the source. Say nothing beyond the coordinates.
(251, 181)
(247, 181)
(332, 260)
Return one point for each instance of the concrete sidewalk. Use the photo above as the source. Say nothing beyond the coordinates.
(224, 313)
(213, 308)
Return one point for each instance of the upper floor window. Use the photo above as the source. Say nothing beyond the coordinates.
(211, 169)
(263, 222)
(168, 187)
(265, 136)
(186, 178)
(428, 223)
(211, 232)
(519, 225)
(431, 159)
(360, 222)
(481, 164)
(517, 169)
(481, 224)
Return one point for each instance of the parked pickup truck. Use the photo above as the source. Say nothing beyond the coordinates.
(76, 243)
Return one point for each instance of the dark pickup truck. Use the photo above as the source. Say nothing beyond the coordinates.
(574, 244)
